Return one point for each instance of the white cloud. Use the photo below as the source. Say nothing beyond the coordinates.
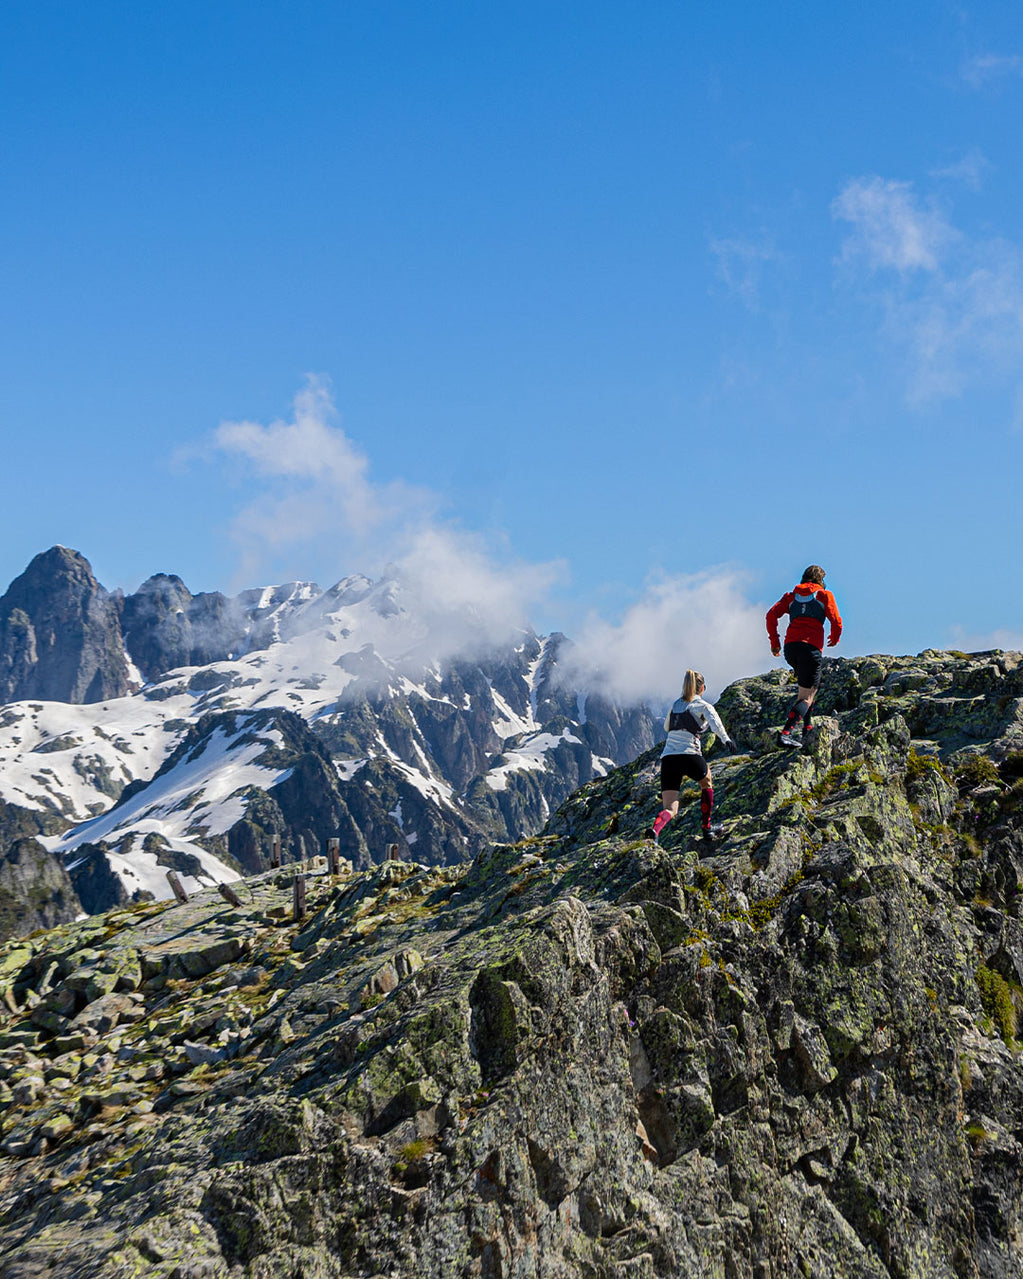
(317, 490)
(890, 227)
(699, 620)
(316, 494)
(969, 325)
(318, 481)
(952, 304)
(463, 595)
(739, 265)
(977, 642)
(970, 170)
(984, 68)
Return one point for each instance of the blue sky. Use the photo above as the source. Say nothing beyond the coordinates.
(636, 308)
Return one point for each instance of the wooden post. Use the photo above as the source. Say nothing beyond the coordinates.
(298, 896)
(275, 852)
(229, 895)
(334, 856)
(301, 853)
(176, 886)
(392, 852)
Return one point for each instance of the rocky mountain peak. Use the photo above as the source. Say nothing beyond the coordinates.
(350, 590)
(165, 626)
(59, 561)
(60, 636)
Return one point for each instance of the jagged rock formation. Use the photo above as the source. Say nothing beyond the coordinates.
(64, 638)
(582, 1054)
(25, 823)
(96, 884)
(165, 626)
(35, 890)
(60, 637)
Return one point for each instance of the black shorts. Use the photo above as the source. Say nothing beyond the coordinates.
(675, 767)
(806, 660)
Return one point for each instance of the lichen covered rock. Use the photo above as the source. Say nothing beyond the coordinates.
(580, 1055)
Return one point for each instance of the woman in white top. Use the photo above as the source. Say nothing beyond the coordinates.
(689, 718)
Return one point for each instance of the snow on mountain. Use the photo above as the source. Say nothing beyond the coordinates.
(201, 797)
(75, 760)
(396, 739)
(530, 754)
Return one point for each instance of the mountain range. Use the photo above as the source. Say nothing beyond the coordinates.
(162, 730)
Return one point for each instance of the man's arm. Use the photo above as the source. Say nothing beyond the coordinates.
(773, 616)
(831, 608)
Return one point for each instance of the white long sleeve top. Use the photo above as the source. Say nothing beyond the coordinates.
(681, 741)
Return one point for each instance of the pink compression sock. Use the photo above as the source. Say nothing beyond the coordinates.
(662, 819)
(706, 805)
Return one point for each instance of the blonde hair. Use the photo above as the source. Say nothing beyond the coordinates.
(691, 685)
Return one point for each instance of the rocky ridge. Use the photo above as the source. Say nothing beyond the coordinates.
(582, 1054)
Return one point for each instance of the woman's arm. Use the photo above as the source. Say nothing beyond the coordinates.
(716, 724)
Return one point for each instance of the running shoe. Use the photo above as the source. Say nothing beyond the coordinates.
(650, 833)
(714, 832)
(785, 738)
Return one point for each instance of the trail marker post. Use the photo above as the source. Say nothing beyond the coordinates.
(229, 895)
(334, 856)
(298, 896)
(275, 853)
(176, 886)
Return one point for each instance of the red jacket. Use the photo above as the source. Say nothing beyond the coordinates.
(809, 629)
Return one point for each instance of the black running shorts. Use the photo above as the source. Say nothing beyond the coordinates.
(806, 660)
(675, 767)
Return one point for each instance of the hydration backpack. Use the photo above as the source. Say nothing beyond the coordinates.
(687, 720)
(808, 606)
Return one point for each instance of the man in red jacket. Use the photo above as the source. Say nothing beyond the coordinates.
(808, 607)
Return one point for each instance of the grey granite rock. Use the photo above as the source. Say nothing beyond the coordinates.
(60, 635)
(580, 1055)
